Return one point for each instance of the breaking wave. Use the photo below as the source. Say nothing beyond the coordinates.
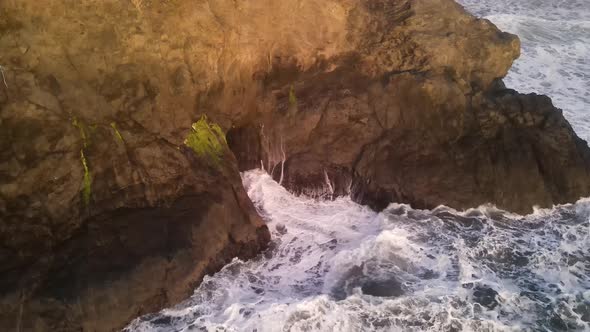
(338, 266)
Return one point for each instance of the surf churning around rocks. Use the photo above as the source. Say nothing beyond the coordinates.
(555, 50)
(338, 266)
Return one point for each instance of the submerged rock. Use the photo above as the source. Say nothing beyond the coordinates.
(382, 288)
(485, 296)
(112, 204)
(357, 277)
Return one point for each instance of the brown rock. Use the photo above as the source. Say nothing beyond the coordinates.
(499, 156)
(388, 100)
(416, 113)
(104, 213)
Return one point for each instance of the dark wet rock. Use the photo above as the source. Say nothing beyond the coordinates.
(356, 277)
(398, 211)
(467, 285)
(455, 326)
(485, 296)
(381, 323)
(428, 274)
(557, 323)
(510, 163)
(347, 282)
(246, 312)
(258, 290)
(382, 288)
(282, 229)
(163, 320)
(509, 258)
(556, 289)
(332, 244)
(536, 296)
(583, 309)
(531, 285)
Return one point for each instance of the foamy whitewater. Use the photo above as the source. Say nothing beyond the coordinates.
(555, 54)
(338, 266)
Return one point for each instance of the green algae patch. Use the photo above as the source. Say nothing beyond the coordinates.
(117, 133)
(83, 130)
(207, 140)
(292, 97)
(87, 180)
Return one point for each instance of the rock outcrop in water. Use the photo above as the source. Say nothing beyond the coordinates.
(412, 109)
(113, 204)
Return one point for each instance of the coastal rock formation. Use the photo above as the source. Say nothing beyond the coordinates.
(413, 110)
(513, 150)
(119, 191)
(116, 195)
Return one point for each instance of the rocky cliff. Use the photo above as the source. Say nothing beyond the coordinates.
(117, 194)
(123, 125)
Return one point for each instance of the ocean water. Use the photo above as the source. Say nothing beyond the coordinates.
(555, 53)
(338, 266)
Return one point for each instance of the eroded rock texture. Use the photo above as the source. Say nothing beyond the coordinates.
(105, 212)
(409, 108)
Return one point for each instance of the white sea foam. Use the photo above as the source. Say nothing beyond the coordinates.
(338, 266)
(555, 58)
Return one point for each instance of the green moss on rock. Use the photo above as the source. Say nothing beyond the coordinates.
(87, 180)
(292, 97)
(117, 133)
(207, 140)
(83, 130)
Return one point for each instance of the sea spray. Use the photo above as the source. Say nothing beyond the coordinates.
(479, 270)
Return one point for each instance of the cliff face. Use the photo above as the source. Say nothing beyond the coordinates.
(113, 204)
(410, 108)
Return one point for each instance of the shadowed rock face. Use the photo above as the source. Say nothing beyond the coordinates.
(414, 112)
(513, 150)
(106, 214)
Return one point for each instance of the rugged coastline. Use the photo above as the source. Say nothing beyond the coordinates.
(124, 127)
